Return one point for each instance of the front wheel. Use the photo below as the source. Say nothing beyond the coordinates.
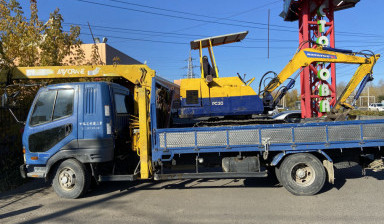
(302, 174)
(71, 180)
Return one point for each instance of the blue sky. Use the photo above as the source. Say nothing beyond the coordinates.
(161, 37)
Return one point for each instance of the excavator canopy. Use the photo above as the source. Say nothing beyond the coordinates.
(218, 40)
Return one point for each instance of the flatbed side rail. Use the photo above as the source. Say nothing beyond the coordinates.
(280, 137)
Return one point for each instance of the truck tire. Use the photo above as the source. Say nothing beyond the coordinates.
(71, 180)
(302, 174)
(278, 174)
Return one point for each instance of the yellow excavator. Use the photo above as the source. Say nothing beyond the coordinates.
(212, 95)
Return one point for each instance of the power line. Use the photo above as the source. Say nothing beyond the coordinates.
(206, 16)
(234, 20)
(182, 35)
(137, 39)
(185, 43)
(233, 15)
(119, 29)
(180, 17)
(216, 22)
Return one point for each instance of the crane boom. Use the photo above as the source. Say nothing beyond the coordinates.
(137, 74)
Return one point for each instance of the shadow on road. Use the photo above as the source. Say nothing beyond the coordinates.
(103, 188)
(19, 212)
(25, 191)
(121, 189)
(88, 204)
(342, 175)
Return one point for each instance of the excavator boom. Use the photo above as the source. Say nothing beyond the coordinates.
(308, 56)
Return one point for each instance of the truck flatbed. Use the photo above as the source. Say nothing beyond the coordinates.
(297, 137)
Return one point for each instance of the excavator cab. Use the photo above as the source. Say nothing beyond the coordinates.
(212, 95)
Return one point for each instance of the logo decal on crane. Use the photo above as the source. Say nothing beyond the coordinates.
(39, 72)
(319, 55)
(94, 72)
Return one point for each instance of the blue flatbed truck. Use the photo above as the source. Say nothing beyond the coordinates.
(76, 132)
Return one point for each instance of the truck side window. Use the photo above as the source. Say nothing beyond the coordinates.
(121, 103)
(43, 108)
(64, 103)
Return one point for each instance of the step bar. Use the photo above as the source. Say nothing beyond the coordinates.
(117, 178)
(208, 175)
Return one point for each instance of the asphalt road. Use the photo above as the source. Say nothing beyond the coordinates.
(353, 199)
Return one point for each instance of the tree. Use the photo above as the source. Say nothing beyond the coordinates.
(56, 43)
(95, 56)
(340, 88)
(291, 98)
(380, 98)
(30, 42)
(13, 27)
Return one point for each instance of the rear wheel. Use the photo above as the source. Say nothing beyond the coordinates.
(71, 180)
(277, 173)
(302, 174)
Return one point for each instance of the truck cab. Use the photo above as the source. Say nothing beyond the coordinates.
(82, 121)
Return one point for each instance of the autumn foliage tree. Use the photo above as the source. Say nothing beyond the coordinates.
(57, 44)
(31, 42)
(28, 42)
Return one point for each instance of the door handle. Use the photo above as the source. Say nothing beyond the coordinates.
(68, 129)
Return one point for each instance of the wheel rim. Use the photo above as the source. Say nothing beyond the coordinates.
(67, 179)
(303, 174)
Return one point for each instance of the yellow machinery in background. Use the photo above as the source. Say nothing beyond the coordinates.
(211, 95)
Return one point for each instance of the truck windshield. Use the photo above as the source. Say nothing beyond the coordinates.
(43, 108)
(51, 107)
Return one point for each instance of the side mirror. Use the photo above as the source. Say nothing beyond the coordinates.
(4, 100)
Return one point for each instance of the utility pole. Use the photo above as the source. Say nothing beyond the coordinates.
(190, 73)
(368, 95)
(268, 29)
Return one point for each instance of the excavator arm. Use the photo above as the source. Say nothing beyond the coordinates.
(307, 56)
(364, 71)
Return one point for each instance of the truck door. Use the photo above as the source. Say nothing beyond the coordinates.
(122, 107)
(51, 123)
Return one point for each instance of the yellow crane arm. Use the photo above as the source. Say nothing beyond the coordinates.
(309, 55)
(137, 74)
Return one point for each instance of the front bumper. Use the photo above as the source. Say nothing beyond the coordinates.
(32, 171)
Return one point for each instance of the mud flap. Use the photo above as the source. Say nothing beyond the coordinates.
(330, 170)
